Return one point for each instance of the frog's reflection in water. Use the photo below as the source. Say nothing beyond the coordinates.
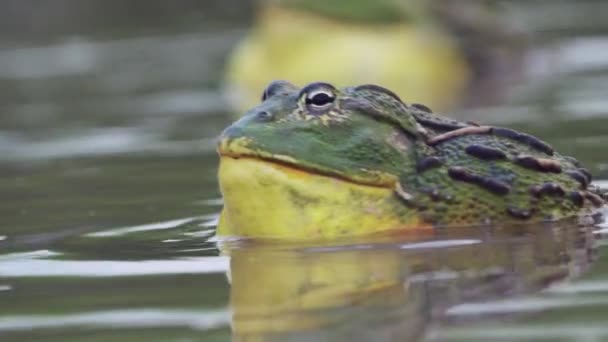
(389, 291)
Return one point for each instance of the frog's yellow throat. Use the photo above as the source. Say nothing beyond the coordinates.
(263, 199)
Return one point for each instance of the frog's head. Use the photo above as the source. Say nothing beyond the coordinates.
(316, 162)
(363, 134)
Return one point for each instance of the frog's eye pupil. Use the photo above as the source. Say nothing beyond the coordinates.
(319, 99)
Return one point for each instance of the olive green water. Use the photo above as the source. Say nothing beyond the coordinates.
(109, 197)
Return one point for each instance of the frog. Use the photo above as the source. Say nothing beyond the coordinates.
(318, 162)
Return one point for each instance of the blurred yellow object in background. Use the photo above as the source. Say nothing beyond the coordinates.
(415, 58)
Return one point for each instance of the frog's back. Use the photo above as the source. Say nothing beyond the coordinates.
(470, 173)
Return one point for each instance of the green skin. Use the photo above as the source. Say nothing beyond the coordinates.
(369, 136)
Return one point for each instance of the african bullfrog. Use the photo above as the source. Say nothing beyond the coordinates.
(320, 163)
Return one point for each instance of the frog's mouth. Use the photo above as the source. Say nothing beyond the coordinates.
(237, 149)
(275, 196)
(285, 165)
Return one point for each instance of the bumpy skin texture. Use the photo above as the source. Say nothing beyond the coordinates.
(443, 171)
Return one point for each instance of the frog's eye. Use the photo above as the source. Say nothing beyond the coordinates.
(320, 98)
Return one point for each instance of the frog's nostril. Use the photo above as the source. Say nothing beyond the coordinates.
(264, 116)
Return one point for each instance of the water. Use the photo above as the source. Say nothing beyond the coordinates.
(109, 201)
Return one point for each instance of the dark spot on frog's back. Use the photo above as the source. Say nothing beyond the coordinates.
(586, 173)
(523, 138)
(548, 188)
(493, 185)
(579, 177)
(576, 198)
(519, 213)
(538, 164)
(485, 153)
(428, 163)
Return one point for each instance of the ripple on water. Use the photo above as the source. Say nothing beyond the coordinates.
(101, 142)
(202, 221)
(522, 305)
(121, 319)
(590, 331)
(29, 265)
(581, 287)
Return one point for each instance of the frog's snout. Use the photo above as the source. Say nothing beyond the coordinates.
(234, 142)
